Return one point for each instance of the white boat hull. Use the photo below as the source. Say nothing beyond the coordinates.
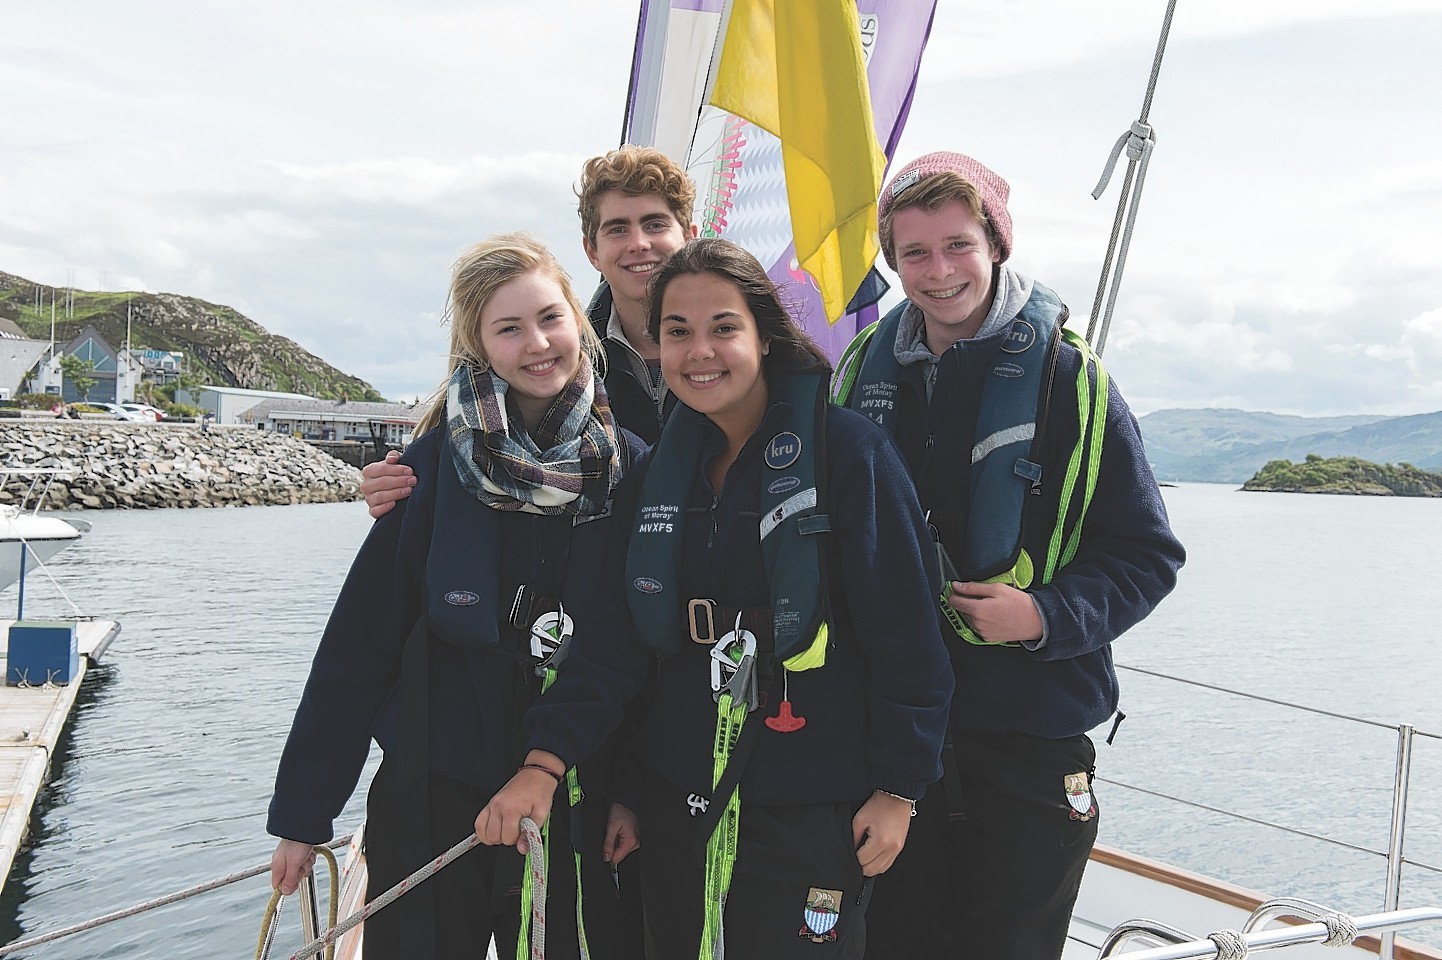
(44, 536)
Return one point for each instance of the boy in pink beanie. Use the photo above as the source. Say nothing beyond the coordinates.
(1052, 534)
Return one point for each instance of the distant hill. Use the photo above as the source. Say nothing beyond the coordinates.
(228, 348)
(1229, 446)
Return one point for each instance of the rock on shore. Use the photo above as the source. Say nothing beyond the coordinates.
(141, 465)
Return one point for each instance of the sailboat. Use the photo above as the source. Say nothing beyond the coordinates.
(28, 537)
(738, 166)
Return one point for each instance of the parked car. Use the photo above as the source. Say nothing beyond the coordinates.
(145, 410)
(119, 412)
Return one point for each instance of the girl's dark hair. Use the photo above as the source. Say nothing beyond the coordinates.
(792, 349)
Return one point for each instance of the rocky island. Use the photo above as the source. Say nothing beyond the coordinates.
(1347, 475)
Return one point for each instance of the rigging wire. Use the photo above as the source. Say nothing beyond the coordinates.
(1138, 141)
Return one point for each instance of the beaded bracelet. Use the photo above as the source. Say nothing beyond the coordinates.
(895, 796)
(543, 769)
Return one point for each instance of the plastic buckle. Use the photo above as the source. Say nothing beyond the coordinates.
(733, 676)
(550, 638)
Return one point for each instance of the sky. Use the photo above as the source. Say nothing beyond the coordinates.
(318, 166)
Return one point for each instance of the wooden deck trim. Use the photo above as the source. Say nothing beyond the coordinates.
(1229, 894)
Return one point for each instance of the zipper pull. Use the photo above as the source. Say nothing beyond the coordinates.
(715, 527)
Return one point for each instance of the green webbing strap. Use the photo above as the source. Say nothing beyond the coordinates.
(721, 847)
(1091, 413)
(574, 794)
(848, 368)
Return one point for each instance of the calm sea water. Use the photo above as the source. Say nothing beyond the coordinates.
(162, 778)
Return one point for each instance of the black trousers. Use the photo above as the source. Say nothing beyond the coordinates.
(999, 884)
(785, 857)
(477, 896)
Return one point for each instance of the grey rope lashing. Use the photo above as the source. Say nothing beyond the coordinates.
(1230, 945)
(1341, 930)
(1138, 142)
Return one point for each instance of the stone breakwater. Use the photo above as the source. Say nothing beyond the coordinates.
(141, 465)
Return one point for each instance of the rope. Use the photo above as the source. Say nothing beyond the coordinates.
(387, 898)
(1230, 945)
(270, 923)
(1138, 142)
(535, 891)
(148, 905)
(1341, 930)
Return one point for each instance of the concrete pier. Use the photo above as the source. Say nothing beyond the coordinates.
(31, 719)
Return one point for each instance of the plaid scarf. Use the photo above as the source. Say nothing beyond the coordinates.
(567, 467)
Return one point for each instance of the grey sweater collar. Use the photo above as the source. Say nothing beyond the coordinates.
(1012, 291)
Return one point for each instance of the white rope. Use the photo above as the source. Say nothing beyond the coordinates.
(536, 860)
(1341, 930)
(147, 905)
(1230, 945)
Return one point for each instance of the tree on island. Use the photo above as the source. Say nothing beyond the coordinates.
(77, 374)
(1349, 475)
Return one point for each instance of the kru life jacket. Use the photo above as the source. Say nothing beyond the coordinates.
(1005, 455)
(462, 593)
(790, 527)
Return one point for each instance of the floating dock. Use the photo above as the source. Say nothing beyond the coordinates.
(31, 719)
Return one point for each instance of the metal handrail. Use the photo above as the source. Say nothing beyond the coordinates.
(1276, 937)
(1406, 734)
(1154, 932)
(1272, 700)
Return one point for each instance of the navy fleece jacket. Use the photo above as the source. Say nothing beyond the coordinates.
(353, 693)
(1126, 563)
(875, 713)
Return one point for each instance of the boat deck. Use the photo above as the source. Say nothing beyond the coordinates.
(1119, 887)
(31, 719)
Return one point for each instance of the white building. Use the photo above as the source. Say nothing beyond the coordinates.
(227, 404)
(337, 419)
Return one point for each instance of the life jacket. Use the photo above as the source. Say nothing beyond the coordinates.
(462, 592)
(790, 525)
(1005, 455)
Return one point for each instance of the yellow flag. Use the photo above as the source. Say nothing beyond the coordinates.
(795, 69)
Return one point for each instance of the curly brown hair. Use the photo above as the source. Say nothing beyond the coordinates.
(633, 171)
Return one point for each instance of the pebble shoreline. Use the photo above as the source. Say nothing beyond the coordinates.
(145, 465)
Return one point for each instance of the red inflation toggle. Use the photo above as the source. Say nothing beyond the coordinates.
(784, 721)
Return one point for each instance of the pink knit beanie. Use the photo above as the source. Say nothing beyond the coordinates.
(992, 189)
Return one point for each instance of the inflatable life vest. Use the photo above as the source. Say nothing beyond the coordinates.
(462, 592)
(1005, 453)
(790, 527)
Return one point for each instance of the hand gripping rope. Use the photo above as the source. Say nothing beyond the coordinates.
(535, 858)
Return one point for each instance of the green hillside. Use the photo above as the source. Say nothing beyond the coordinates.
(224, 346)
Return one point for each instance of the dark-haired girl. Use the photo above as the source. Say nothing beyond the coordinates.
(778, 573)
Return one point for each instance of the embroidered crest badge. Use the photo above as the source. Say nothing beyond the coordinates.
(823, 909)
(1079, 795)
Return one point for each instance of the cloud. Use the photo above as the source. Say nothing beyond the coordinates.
(318, 166)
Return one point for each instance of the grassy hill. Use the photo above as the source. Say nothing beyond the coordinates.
(226, 347)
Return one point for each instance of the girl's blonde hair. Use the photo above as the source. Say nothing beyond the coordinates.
(477, 274)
